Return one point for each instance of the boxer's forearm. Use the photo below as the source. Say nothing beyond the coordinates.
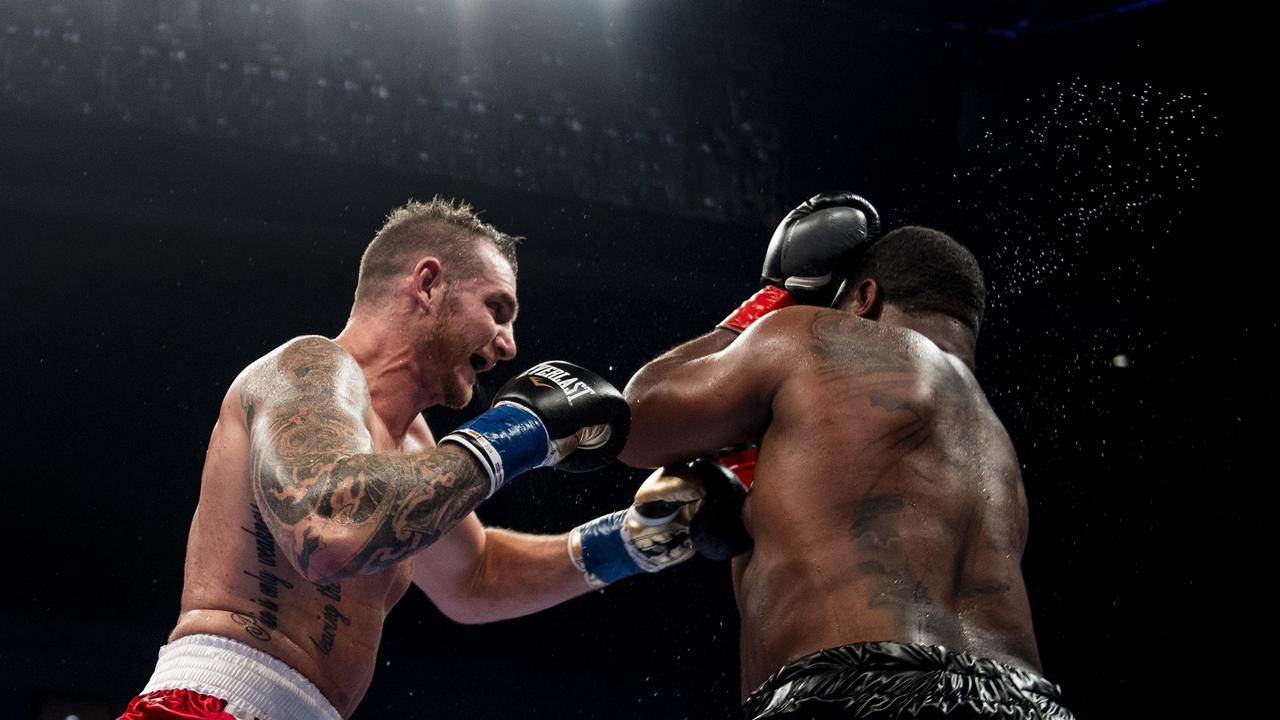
(371, 511)
(518, 574)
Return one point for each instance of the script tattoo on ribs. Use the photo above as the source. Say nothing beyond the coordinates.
(331, 618)
(261, 622)
(314, 464)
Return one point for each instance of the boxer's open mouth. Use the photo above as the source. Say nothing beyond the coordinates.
(477, 363)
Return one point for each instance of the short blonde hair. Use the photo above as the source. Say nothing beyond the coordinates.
(449, 229)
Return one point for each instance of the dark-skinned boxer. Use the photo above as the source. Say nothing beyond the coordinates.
(886, 520)
(324, 494)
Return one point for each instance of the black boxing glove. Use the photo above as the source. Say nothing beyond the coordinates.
(803, 261)
(555, 413)
(716, 530)
(813, 240)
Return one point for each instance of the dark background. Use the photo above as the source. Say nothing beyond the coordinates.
(1079, 148)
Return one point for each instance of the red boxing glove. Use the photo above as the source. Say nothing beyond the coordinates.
(766, 300)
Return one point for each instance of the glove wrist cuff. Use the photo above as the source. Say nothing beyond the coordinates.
(764, 301)
(508, 440)
(602, 553)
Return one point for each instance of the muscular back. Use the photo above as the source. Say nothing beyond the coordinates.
(887, 503)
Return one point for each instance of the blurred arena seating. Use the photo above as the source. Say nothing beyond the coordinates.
(552, 98)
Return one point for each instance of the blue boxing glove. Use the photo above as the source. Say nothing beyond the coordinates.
(649, 536)
(555, 413)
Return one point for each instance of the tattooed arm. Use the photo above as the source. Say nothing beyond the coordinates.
(709, 393)
(337, 508)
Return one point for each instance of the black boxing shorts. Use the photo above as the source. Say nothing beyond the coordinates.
(893, 680)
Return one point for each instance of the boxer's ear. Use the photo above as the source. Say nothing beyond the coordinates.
(864, 299)
(428, 282)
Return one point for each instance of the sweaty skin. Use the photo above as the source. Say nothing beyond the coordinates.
(324, 494)
(240, 582)
(304, 484)
(887, 503)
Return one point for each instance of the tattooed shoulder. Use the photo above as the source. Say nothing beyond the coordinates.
(841, 338)
(308, 369)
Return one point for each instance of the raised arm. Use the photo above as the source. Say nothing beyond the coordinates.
(699, 397)
(715, 391)
(336, 507)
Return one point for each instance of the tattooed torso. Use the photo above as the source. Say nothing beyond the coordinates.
(287, 470)
(887, 504)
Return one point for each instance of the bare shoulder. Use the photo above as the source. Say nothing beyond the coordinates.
(783, 333)
(309, 367)
(832, 345)
(783, 322)
(947, 383)
(879, 369)
(835, 337)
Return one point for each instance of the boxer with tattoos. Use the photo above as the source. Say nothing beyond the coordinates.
(886, 511)
(324, 495)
